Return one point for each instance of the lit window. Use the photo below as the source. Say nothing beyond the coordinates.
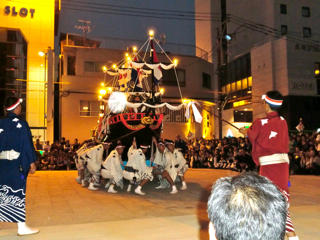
(317, 70)
(249, 81)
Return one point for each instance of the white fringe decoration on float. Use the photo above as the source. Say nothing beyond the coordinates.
(192, 104)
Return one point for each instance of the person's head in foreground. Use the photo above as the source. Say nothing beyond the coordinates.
(246, 207)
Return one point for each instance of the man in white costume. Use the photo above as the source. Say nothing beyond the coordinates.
(163, 170)
(136, 170)
(94, 158)
(80, 161)
(111, 169)
(179, 163)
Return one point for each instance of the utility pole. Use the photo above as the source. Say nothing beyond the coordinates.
(219, 80)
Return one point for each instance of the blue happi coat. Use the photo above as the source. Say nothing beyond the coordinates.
(15, 135)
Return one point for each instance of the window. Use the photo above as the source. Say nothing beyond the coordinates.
(89, 66)
(13, 66)
(317, 70)
(93, 66)
(242, 116)
(305, 12)
(283, 9)
(71, 65)
(169, 77)
(306, 32)
(89, 108)
(174, 116)
(284, 29)
(206, 80)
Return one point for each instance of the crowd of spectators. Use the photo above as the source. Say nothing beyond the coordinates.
(304, 153)
(235, 153)
(56, 156)
(227, 153)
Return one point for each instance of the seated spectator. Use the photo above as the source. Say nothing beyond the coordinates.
(55, 146)
(61, 165)
(210, 160)
(45, 163)
(63, 142)
(294, 166)
(67, 146)
(47, 146)
(195, 160)
(245, 161)
(313, 163)
(76, 145)
(71, 163)
(52, 163)
(38, 145)
(246, 207)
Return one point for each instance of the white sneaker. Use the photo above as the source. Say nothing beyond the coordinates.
(23, 230)
(174, 190)
(138, 191)
(91, 187)
(159, 187)
(129, 188)
(111, 190)
(78, 180)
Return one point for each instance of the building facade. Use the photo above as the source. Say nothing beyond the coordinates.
(27, 28)
(274, 49)
(83, 74)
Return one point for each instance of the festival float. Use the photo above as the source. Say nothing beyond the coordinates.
(130, 106)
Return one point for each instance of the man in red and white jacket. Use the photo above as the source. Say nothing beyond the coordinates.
(269, 138)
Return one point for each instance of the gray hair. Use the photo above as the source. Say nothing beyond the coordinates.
(247, 207)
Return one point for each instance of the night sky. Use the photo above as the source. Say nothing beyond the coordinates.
(109, 19)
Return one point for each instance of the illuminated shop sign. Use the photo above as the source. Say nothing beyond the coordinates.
(23, 12)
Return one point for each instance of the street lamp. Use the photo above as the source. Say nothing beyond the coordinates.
(41, 53)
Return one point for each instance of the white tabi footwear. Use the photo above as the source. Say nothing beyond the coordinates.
(78, 180)
(111, 190)
(23, 230)
(138, 191)
(129, 188)
(91, 187)
(82, 183)
(107, 185)
(174, 190)
(184, 186)
(294, 238)
(159, 187)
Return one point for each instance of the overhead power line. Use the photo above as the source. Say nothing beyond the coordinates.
(270, 31)
(137, 12)
(153, 10)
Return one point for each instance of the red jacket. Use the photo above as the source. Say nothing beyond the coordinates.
(268, 136)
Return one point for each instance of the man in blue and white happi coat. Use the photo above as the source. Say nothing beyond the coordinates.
(17, 157)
